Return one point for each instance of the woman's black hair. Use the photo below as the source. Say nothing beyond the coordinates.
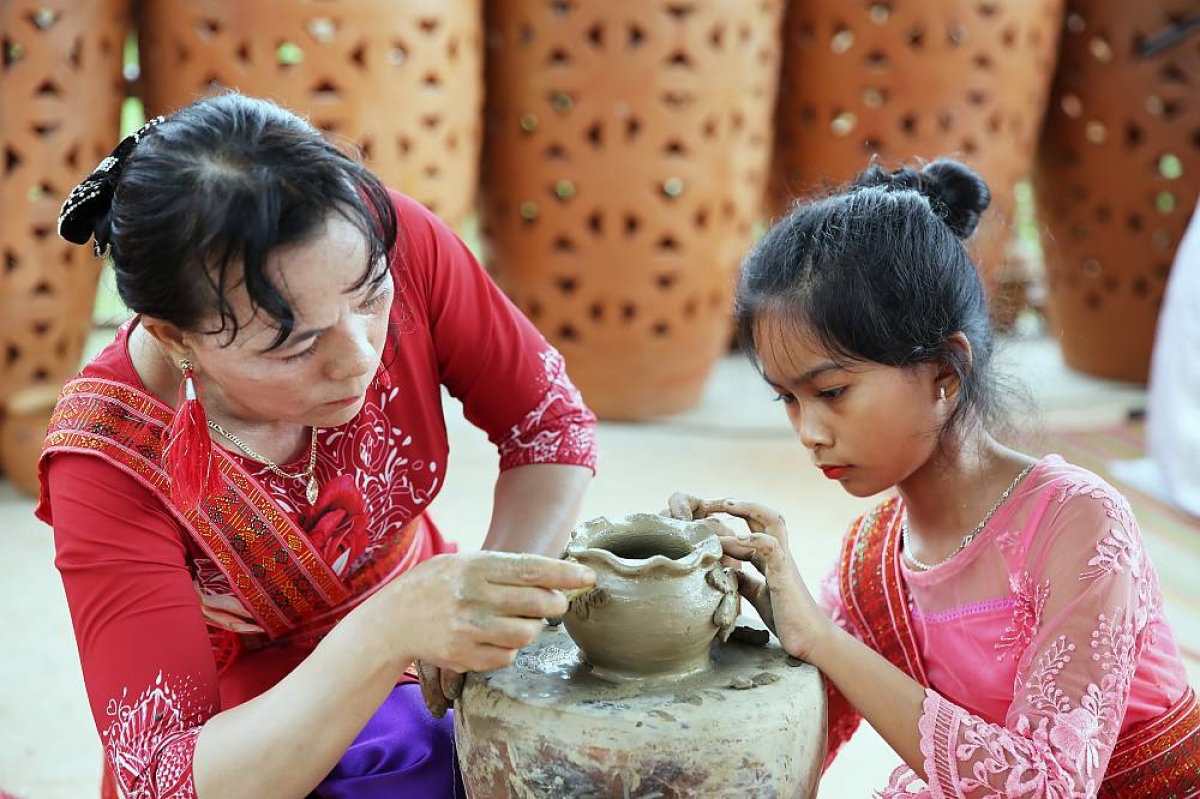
(201, 199)
(878, 272)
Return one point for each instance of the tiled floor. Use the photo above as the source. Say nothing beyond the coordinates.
(736, 442)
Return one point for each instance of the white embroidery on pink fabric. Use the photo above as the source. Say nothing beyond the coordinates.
(535, 439)
(1115, 642)
(1007, 542)
(1057, 753)
(1044, 694)
(903, 782)
(1118, 550)
(1029, 600)
(150, 741)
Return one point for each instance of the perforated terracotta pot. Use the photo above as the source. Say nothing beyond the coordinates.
(625, 159)
(60, 101)
(1118, 175)
(906, 79)
(400, 78)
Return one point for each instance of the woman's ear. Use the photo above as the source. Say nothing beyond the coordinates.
(169, 337)
(958, 361)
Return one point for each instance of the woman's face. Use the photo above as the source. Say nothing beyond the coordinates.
(867, 426)
(320, 374)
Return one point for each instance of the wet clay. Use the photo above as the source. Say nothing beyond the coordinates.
(751, 725)
(661, 597)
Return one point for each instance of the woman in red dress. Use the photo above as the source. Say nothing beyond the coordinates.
(238, 484)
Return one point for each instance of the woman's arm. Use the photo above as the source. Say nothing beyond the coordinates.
(467, 612)
(149, 667)
(535, 507)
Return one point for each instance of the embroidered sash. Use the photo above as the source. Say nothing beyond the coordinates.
(271, 566)
(1159, 759)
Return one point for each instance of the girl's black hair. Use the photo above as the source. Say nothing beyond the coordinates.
(878, 272)
(210, 192)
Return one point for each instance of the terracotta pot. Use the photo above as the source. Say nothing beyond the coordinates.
(661, 596)
(916, 79)
(1118, 175)
(22, 431)
(401, 79)
(625, 156)
(752, 726)
(60, 101)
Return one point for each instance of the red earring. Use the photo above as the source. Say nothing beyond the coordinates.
(187, 448)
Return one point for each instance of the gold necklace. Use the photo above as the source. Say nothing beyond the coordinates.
(969, 537)
(311, 487)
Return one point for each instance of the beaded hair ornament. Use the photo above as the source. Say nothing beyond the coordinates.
(85, 214)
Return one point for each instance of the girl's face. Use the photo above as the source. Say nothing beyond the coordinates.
(868, 426)
(320, 374)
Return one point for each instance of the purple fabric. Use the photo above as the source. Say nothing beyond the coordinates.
(402, 752)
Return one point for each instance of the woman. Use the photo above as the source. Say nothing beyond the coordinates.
(238, 483)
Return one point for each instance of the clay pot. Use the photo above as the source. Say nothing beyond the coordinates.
(916, 80)
(1117, 177)
(22, 431)
(401, 79)
(626, 147)
(60, 101)
(661, 596)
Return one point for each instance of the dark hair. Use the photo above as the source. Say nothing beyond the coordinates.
(206, 195)
(878, 272)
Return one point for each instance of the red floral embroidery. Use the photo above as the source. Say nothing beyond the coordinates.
(337, 523)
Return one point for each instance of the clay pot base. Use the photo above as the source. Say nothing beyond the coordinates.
(752, 725)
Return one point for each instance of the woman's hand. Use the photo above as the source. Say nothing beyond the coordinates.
(471, 612)
(782, 599)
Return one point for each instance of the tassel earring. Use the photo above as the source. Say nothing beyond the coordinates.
(187, 450)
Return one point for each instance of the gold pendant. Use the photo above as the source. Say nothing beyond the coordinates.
(312, 489)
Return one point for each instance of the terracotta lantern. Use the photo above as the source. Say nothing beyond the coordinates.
(60, 101)
(625, 160)
(917, 79)
(400, 79)
(1118, 175)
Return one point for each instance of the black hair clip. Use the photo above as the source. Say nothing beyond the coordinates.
(91, 199)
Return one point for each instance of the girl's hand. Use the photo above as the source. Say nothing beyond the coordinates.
(470, 612)
(782, 599)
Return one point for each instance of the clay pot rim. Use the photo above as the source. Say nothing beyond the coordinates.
(706, 550)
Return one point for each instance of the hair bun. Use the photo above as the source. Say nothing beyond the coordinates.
(955, 190)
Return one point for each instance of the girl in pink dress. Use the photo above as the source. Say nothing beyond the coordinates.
(998, 620)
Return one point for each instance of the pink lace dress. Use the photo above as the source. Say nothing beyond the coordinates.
(1043, 640)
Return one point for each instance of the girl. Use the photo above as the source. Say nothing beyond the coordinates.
(998, 620)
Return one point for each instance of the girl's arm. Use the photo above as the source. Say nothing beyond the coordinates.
(1085, 598)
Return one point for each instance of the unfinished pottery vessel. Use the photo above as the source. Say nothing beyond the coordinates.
(661, 596)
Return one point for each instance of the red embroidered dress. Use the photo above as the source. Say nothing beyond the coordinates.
(177, 615)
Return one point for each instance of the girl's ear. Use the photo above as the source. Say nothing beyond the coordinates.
(957, 363)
